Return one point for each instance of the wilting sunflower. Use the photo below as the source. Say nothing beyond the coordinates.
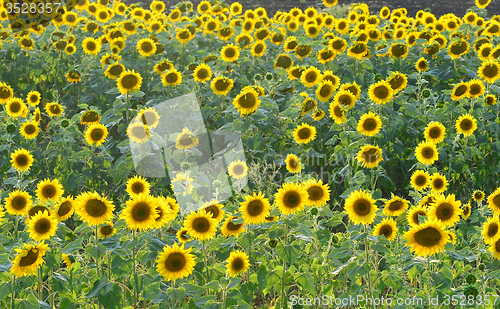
(93, 208)
(387, 228)
(42, 226)
(491, 230)
(283, 61)
(68, 260)
(175, 262)
(230, 228)
(28, 260)
(494, 201)
(426, 152)
(202, 73)
(200, 225)
(308, 105)
(16, 107)
(21, 159)
(478, 195)
(237, 169)
(91, 46)
(237, 263)
(138, 132)
(64, 208)
(489, 71)
(33, 98)
(221, 85)
(291, 198)
(18, 203)
(293, 163)
(398, 81)
(107, 230)
(460, 91)
(395, 206)
(476, 89)
(438, 183)
(247, 101)
(360, 207)
(369, 124)
(186, 140)
(255, 209)
(128, 81)
(214, 209)
(435, 132)
(445, 209)
(380, 92)
(47, 189)
(422, 65)
(95, 134)
(318, 193)
(304, 133)
(466, 124)
(114, 70)
(310, 76)
(369, 156)
(318, 115)
(6, 93)
(466, 211)
(90, 117)
(427, 238)
(230, 53)
(137, 185)
(140, 212)
(413, 213)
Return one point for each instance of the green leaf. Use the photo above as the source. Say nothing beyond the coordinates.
(72, 247)
(98, 286)
(193, 290)
(111, 299)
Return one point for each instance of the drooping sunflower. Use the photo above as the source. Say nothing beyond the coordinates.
(182, 235)
(426, 152)
(33, 98)
(114, 70)
(435, 132)
(380, 92)
(398, 50)
(128, 81)
(237, 169)
(360, 207)
(16, 107)
(183, 183)
(230, 53)
(93, 208)
(221, 85)
(491, 230)
(438, 183)
(293, 163)
(478, 195)
(427, 238)
(422, 65)
(398, 81)
(18, 203)
(466, 124)
(369, 124)
(358, 51)
(369, 156)
(138, 132)
(237, 263)
(186, 140)
(490, 100)
(137, 185)
(255, 209)
(28, 260)
(310, 76)
(482, 3)
(446, 210)
(395, 206)
(42, 226)
(318, 193)
(64, 208)
(466, 211)
(202, 73)
(489, 71)
(458, 48)
(494, 201)
(308, 105)
(230, 228)
(95, 134)
(90, 117)
(140, 212)
(175, 262)
(387, 228)
(318, 115)
(200, 225)
(460, 91)
(47, 189)
(304, 133)
(21, 159)
(247, 101)
(68, 260)
(291, 198)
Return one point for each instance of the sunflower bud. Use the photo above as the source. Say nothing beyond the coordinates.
(314, 211)
(65, 123)
(269, 76)
(272, 243)
(217, 183)
(11, 128)
(470, 279)
(481, 266)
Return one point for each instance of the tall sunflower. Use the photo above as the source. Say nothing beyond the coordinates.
(42, 226)
(380, 92)
(255, 209)
(128, 81)
(138, 132)
(18, 203)
(310, 76)
(202, 73)
(491, 230)
(93, 208)
(360, 207)
(395, 206)
(107, 230)
(325, 90)
(387, 228)
(466, 211)
(33, 98)
(318, 193)
(237, 263)
(478, 195)
(21, 160)
(237, 169)
(47, 189)
(175, 262)
(291, 198)
(426, 153)
(64, 208)
(200, 225)
(369, 156)
(137, 185)
(6, 93)
(369, 124)
(140, 212)
(445, 210)
(427, 238)
(95, 134)
(438, 183)
(489, 71)
(304, 133)
(293, 163)
(494, 201)
(460, 91)
(466, 124)
(28, 260)
(16, 107)
(422, 65)
(171, 77)
(435, 132)
(230, 53)
(91, 46)
(247, 101)
(337, 112)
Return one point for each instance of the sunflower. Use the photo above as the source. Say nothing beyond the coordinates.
(140, 213)
(398, 81)
(214, 209)
(96, 134)
(310, 76)
(445, 209)
(28, 260)
(291, 198)
(16, 107)
(68, 260)
(33, 98)
(200, 225)
(387, 228)
(490, 231)
(489, 71)
(466, 124)
(438, 183)
(64, 208)
(128, 81)
(360, 207)
(73, 76)
(413, 213)
(476, 88)
(398, 50)
(230, 228)
(494, 201)
(358, 51)
(482, 3)
(47, 189)
(230, 53)
(460, 91)
(21, 160)
(255, 209)
(478, 195)
(435, 132)
(369, 124)
(165, 213)
(395, 206)
(114, 70)
(185, 183)
(90, 117)
(6, 93)
(186, 140)
(237, 263)
(345, 98)
(283, 61)
(18, 203)
(182, 235)
(93, 208)
(380, 92)
(458, 48)
(202, 73)
(426, 152)
(221, 85)
(293, 163)
(91, 46)
(42, 226)
(304, 133)
(422, 65)
(237, 169)
(54, 109)
(307, 106)
(490, 100)
(427, 238)
(325, 90)
(138, 132)
(107, 230)
(466, 211)
(369, 156)
(247, 101)
(318, 115)
(175, 262)
(146, 47)
(137, 185)
(318, 193)
(149, 117)
(495, 250)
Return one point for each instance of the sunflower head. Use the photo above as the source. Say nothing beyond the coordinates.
(360, 207)
(255, 208)
(387, 228)
(369, 156)
(427, 239)
(237, 263)
(175, 262)
(200, 225)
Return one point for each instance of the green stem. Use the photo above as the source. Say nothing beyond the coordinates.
(283, 278)
(134, 289)
(13, 291)
(40, 284)
(367, 253)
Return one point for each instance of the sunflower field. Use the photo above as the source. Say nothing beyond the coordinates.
(369, 177)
